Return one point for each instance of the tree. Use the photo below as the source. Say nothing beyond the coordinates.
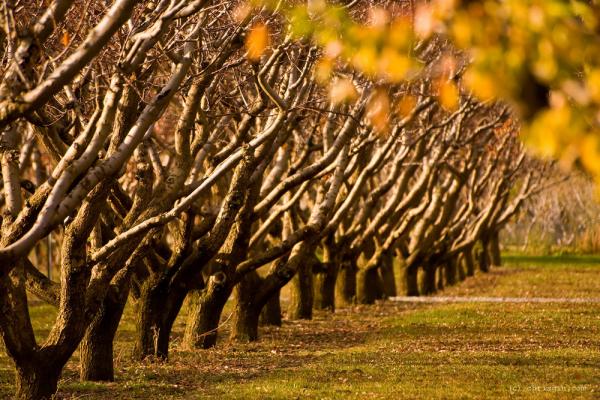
(212, 159)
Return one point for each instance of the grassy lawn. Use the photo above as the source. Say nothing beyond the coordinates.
(390, 350)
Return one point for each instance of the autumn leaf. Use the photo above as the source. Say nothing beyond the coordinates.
(378, 111)
(448, 95)
(406, 105)
(323, 70)
(342, 90)
(257, 41)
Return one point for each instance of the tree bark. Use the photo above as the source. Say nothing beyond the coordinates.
(451, 271)
(496, 258)
(386, 275)
(460, 267)
(345, 285)
(484, 257)
(206, 308)
(440, 273)
(411, 275)
(37, 381)
(469, 262)
(428, 284)
(324, 280)
(246, 313)
(368, 286)
(271, 313)
(96, 349)
(301, 301)
(157, 309)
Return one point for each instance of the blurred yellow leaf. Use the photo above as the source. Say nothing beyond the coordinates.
(366, 60)
(548, 129)
(406, 105)
(394, 66)
(323, 70)
(482, 85)
(448, 95)
(589, 151)
(593, 85)
(424, 21)
(257, 41)
(342, 90)
(378, 111)
(378, 16)
(334, 48)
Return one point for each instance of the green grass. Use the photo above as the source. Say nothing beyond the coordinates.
(390, 350)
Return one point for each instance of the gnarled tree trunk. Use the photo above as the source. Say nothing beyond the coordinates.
(324, 282)
(495, 257)
(345, 285)
(428, 284)
(244, 326)
(368, 286)
(451, 272)
(271, 313)
(36, 380)
(411, 277)
(96, 348)
(206, 307)
(469, 262)
(301, 300)
(386, 275)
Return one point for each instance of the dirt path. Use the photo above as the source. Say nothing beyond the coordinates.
(480, 299)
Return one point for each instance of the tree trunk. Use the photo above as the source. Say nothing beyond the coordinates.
(96, 349)
(428, 284)
(386, 275)
(368, 286)
(146, 324)
(246, 312)
(271, 313)
(440, 276)
(37, 382)
(451, 272)
(301, 300)
(484, 257)
(469, 262)
(460, 267)
(411, 275)
(496, 258)
(157, 309)
(206, 308)
(324, 298)
(345, 285)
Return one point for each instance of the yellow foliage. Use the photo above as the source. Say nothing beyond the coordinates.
(257, 41)
(424, 20)
(378, 111)
(342, 90)
(393, 65)
(589, 152)
(448, 94)
(482, 85)
(593, 84)
(366, 60)
(406, 105)
(323, 70)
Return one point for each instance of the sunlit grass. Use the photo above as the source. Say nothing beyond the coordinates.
(390, 350)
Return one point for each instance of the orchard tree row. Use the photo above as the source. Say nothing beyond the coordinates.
(198, 152)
